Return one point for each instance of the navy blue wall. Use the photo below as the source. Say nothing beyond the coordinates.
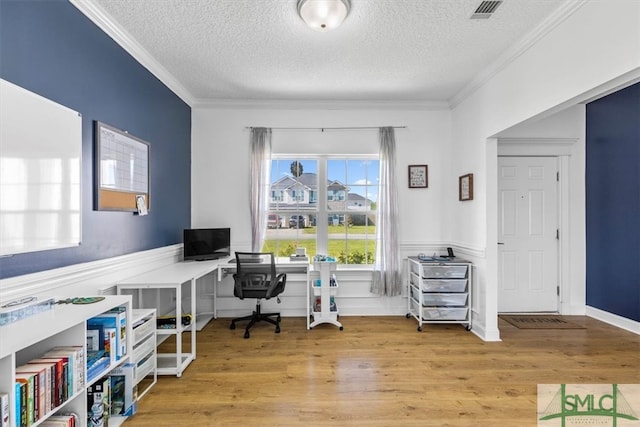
(52, 49)
(613, 203)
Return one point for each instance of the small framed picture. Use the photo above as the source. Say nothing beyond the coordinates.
(418, 176)
(465, 187)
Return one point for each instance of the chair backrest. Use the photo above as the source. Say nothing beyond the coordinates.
(256, 275)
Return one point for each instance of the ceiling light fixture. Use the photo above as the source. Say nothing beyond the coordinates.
(323, 15)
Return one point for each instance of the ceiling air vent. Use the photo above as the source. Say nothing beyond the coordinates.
(486, 9)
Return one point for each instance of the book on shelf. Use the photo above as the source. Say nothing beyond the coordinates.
(4, 410)
(65, 373)
(106, 399)
(77, 354)
(97, 363)
(110, 343)
(95, 337)
(21, 403)
(61, 420)
(122, 390)
(49, 367)
(27, 409)
(116, 319)
(57, 383)
(42, 379)
(95, 405)
(70, 359)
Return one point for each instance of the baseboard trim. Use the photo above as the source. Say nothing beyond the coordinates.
(614, 319)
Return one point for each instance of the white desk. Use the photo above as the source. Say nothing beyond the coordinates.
(174, 276)
(283, 265)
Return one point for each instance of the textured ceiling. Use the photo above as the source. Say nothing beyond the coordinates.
(386, 50)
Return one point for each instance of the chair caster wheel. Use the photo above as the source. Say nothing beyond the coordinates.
(407, 315)
(341, 328)
(246, 334)
(232, 325)
(419, 328)
(277, 329)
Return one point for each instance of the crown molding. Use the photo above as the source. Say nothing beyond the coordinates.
(285, 104)
(516, 50)
(105, 22)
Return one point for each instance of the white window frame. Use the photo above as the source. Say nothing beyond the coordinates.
(321, 212)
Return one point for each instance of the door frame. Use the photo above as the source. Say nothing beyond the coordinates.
(556, 213)
(561, 148)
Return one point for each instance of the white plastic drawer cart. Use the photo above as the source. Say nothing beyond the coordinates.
(439, 290)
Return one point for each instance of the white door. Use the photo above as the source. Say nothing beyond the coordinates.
(527, 234)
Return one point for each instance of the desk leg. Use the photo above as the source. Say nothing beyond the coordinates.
(215, 296)
(308, 285)
(194, 316)
(178, 335)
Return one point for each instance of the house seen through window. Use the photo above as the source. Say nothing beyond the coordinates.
(326, 205)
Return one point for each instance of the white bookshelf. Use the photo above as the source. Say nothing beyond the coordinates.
(63, 325)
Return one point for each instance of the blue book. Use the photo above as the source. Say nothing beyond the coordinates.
(115, 320)
(18, 404)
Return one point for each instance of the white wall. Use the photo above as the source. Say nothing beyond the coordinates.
(220, 160)
(220, 179)
(597, 44)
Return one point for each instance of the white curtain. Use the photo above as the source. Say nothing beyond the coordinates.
(259, 192)
(386, 274)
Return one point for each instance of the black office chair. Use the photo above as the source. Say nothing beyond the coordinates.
(256, 278)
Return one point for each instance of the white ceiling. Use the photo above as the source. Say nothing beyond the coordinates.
(410, 51)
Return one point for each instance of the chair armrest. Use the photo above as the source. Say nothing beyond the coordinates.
(279, 280)
(237, 287)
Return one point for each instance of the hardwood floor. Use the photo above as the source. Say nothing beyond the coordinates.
(379, 371)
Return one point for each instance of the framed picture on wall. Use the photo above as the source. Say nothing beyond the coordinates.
(418, 176)
(122, 170)
(465, 187)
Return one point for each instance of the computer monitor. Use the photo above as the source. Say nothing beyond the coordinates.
(206, 243)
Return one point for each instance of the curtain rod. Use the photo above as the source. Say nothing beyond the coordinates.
(322, 129)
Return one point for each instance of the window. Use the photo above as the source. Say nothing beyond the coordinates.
(297, 195)
(277, 195)
(337, 218)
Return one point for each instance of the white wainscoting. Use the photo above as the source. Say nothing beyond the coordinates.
(87, 279)
(354, 297)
